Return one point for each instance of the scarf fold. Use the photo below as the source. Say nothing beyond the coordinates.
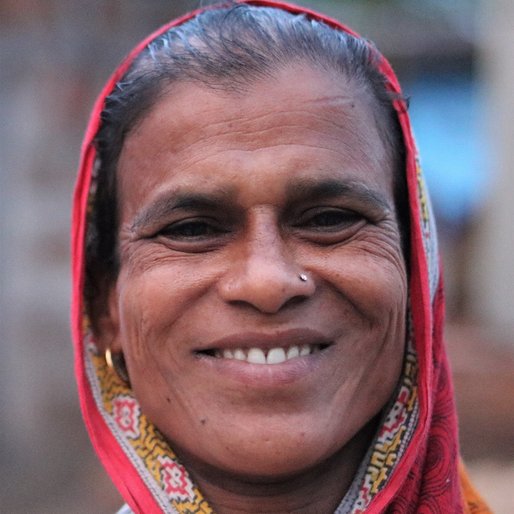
(413, 462)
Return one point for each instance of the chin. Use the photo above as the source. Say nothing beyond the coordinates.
(265, 465)
(273, 462)
(265, 456)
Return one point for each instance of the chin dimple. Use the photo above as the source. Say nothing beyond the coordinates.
(276, 355)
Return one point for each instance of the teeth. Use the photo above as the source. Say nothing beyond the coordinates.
(239, 355)
(305, 349)
(293, 352)
(272, 356)
(276, 356)
(256, 356)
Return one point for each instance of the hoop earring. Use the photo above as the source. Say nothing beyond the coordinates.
(116, 362)
(108, 358)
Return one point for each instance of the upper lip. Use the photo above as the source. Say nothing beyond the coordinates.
(267, 340)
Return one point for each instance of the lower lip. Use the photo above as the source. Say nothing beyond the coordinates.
(266, 376)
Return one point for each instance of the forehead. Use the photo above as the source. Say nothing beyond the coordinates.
(299, 119)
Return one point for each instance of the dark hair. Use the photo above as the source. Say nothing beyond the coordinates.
(225, 49)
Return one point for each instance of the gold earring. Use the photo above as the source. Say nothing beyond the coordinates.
(108, 358)
(116, 362)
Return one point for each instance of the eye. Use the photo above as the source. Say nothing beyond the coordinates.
(189, 229)
(329, 225)
(330, 219)
(193, 231)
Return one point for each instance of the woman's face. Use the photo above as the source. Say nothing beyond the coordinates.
(225, 201)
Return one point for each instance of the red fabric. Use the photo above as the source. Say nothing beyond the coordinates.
(426, 479)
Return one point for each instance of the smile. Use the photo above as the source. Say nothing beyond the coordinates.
(275, 355)
(265, 349)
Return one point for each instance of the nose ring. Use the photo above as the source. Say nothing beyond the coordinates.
(303, 277)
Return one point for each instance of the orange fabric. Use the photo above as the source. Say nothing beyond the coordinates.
(473, 502)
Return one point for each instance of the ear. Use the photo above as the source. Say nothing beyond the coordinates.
(107, 326)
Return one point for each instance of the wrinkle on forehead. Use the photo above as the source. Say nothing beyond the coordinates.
(259, 100)
(242, 121)
(296, 113)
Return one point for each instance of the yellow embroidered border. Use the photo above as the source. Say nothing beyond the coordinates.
(147, 447)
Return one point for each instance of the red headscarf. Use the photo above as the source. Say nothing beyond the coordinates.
(413, 462)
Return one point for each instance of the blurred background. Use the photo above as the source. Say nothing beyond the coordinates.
(456, 63)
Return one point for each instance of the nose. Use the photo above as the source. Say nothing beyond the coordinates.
(263, 274)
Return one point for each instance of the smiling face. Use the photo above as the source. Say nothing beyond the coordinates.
(225, 201)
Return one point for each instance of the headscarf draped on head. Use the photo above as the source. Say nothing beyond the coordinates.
(412, 464)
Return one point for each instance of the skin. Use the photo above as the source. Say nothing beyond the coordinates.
(224, 201)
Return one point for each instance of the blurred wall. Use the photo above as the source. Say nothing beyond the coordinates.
(493, 282)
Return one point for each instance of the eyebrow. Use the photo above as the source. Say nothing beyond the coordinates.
(297, 191)
(186, 200)
(331, 188)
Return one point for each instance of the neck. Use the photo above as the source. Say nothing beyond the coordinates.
(318, 490)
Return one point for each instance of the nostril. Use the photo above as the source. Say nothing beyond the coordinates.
(295, 300)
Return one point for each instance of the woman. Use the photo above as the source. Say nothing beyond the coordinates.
(258, 308)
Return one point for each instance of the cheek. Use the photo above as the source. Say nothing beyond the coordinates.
(150, 311)
(147, 308)
(370, 293)
(374, 286)
(157, 322)
(381, 294)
